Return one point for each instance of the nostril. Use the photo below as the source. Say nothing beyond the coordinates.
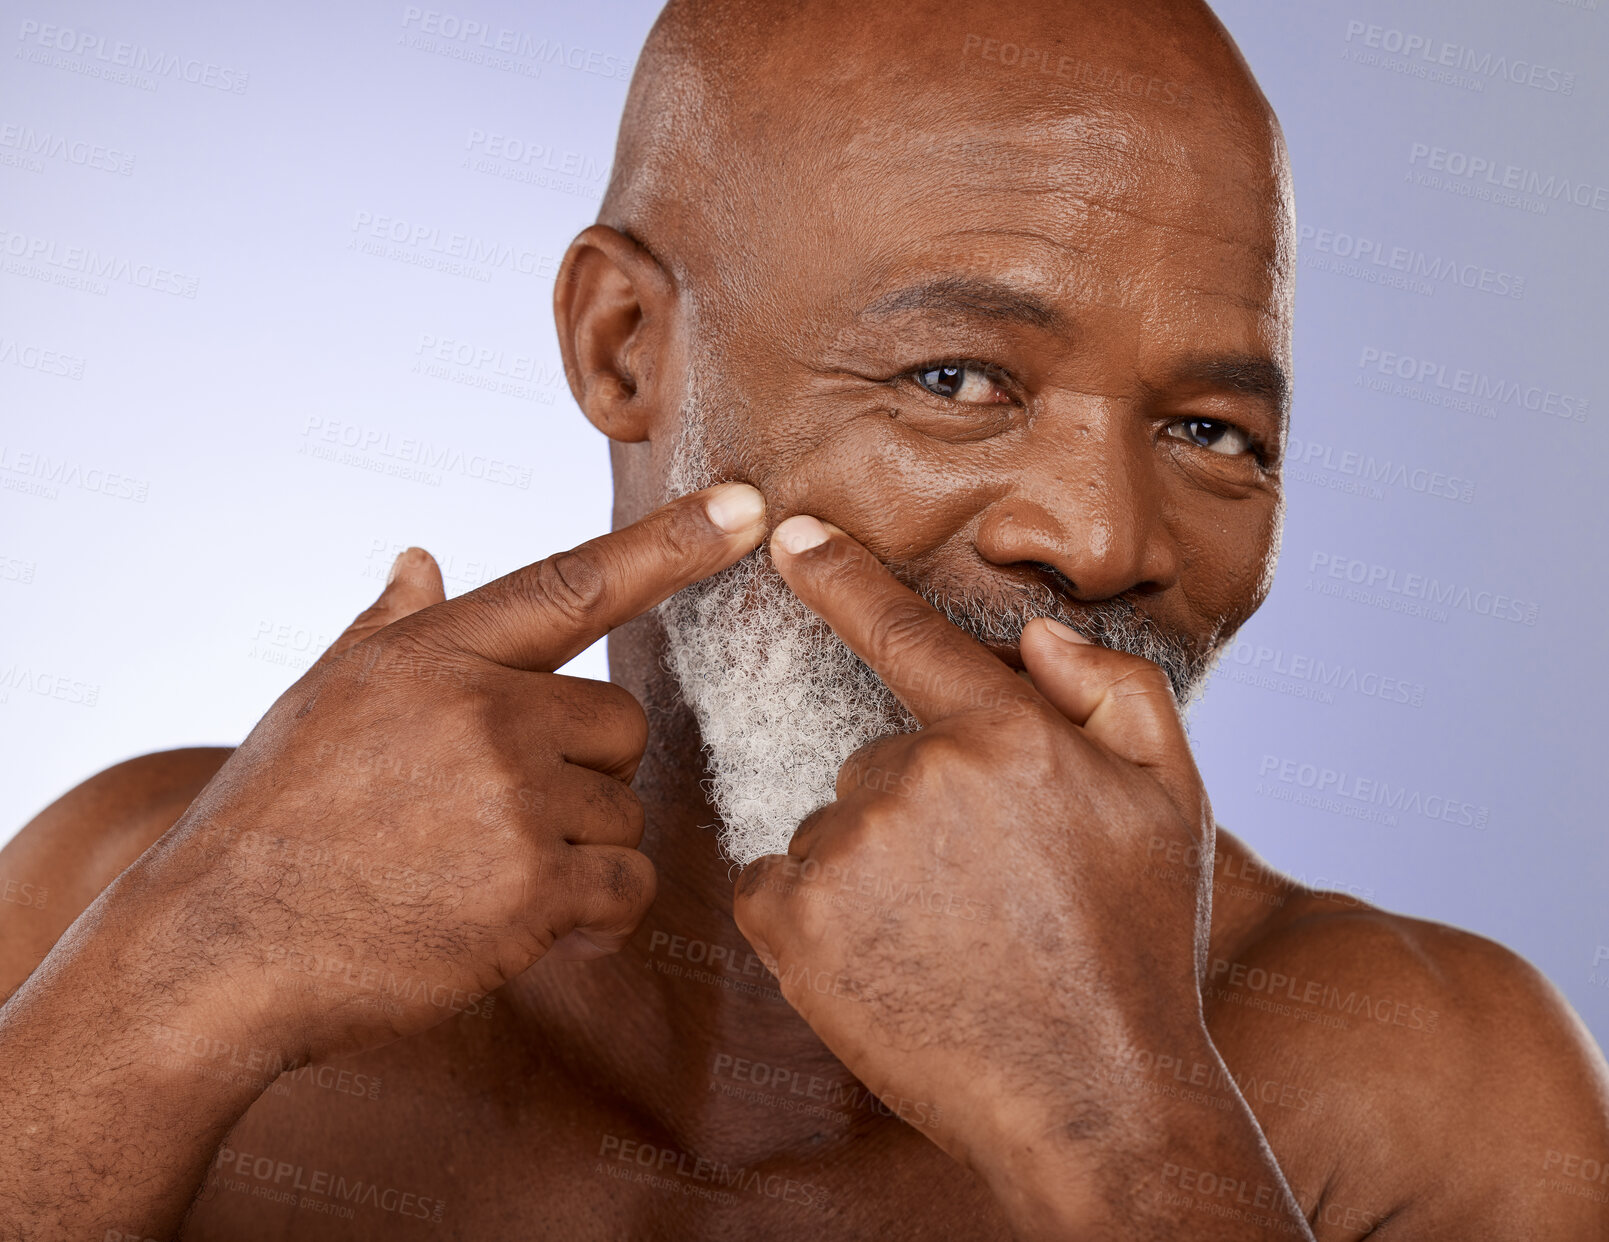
(1058, 580)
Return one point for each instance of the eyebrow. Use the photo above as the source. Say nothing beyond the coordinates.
(1249, 374)
(1252, 375)
(978, 296)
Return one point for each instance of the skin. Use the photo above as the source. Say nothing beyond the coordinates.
(1077, 1033)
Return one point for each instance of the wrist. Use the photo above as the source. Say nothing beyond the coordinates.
(1159, 1138)
(166, 967)
(101, 1042)
(87, 1026)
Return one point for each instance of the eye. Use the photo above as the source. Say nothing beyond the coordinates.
(1212, 434)
(971, 383)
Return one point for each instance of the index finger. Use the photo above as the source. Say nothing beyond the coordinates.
(935, 668)
(544, 615)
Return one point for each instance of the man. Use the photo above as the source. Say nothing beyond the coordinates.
(1010, 340)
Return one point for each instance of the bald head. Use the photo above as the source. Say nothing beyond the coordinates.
(751, 124)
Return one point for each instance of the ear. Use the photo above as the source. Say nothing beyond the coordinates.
(615, 307)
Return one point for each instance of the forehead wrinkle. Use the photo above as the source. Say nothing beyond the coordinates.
(1187, 240)
(983, 297)
(1258, 305)
(1136, 263)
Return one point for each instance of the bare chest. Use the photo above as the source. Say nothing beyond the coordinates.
(416, 1159)
(425, 1141)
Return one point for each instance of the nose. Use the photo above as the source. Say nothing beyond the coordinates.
(1087, 499)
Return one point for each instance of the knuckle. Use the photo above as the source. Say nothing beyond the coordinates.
(620, 709)
(853, 770)
(754, 898)
(617, 802)
(1138, 677)
(407, 643)
(1125, 665)
(630, 880)
(684, 536)
(529, 865)
(877, 823)
(810, 921)
(939, 755)
(570, 583)
(810, 827)
(375, 617)
(636, 819)
(776, 881)
(898, 627)
(877, 767)
(752, 883)
(401, 654)
(1036, 747)
(779, 898)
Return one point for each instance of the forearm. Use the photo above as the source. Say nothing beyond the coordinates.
(109, 1124)
(1139, 1165)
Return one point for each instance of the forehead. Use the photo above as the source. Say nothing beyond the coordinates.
(1158, 220)
(1169, 212)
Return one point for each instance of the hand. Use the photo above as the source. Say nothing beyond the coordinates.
(968, 926)
(430, 809)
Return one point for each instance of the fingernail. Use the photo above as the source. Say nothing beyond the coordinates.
(1064, 632)
(396, 565)
(734, 507)
(800, 534)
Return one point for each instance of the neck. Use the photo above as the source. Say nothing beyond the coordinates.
(685, 1026)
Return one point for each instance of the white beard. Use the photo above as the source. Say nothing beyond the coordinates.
(782, 702)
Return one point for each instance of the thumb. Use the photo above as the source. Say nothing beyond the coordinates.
(1123, 701)
(414, 583)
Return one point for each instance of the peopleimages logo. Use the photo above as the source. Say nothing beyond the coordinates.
(1427, 378)
(1423, 589)
(1320, 781)
(44, 257)
(56, 472)
(1262, 660)
(428, 245)
(1048, 61)
(1351, 254)
(1434, 53)
(489, 369)
(36, 145)
(410, 456)
(477, 34)
(537, 164)
(1371, 473)
(1493, 173)
(541, 155)
(134, 57)
(34, 358)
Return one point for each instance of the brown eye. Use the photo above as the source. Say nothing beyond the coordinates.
(1212, 434)
(966, 382)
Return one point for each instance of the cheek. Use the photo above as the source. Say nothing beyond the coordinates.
(1228, 553)
(899, 493)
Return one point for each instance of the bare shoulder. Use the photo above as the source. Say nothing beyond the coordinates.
(62, 859)
(1466, 1098)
